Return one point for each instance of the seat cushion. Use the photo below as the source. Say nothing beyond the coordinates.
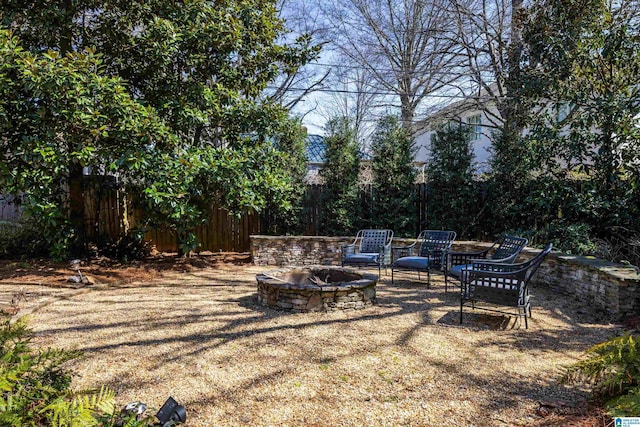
(412, 263)
(456, 270)
(363, 258)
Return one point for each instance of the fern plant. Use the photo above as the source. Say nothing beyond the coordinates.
(82, 410)
(612, 368)
(35, 387)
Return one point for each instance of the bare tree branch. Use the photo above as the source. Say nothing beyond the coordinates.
(400, 43)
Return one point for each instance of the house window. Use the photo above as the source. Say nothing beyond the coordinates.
(475, 127)
(562, 111)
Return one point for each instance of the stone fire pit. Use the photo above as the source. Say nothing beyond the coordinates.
(303, 289)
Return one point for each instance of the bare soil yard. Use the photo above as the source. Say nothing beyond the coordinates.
(192, 329)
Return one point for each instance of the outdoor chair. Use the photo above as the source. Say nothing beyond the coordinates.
(506, 251)
(501, 284)
(430, 250)
(370, 248)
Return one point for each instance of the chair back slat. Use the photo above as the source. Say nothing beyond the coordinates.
(372, 240)
(509, 246)
(435, 241)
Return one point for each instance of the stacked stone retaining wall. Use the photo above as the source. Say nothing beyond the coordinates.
(614, 288)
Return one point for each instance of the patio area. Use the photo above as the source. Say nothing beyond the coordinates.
(201, 336)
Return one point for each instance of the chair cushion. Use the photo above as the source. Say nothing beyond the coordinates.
(362, 258)
(456, 270)
(412, 262)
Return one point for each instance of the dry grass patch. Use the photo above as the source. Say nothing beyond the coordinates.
(199, 336)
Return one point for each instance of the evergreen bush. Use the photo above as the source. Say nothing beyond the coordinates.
(453, 194)
(394, 197)
(340, 199)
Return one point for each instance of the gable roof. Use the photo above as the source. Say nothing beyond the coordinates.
(455, 110)
(316, 150)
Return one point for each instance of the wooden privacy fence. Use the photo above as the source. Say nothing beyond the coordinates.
(223, 233)
(107, 212)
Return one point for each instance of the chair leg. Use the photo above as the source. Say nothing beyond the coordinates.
(461, 305)
(392, 274)
(428, 279)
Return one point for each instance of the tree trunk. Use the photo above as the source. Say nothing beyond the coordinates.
(76, 208)
(66, 35)
(406, 112)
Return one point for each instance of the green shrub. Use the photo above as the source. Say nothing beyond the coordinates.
(128, 247)
(340, 199)
(572, 238)
(22, 240)
(612, 368)
(394, 197)
(454, 199)
(35, 387)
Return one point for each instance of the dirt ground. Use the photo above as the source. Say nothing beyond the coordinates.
(192, 329)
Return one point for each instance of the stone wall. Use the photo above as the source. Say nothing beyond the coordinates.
(297, 250)
(610, 287)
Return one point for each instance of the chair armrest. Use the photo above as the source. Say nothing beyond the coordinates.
(401, 251)
(462, 258)
(507, 260)
(347, 250)
(489, 265)
(409, 247)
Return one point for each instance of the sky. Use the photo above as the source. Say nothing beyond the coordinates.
(311, 109)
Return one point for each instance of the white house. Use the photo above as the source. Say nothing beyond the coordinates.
(467, 111)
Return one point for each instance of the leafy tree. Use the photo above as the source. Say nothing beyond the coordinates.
(394, 198)
(583, 67)
(201, 68)
(489, 33)
(284, 203)
(453, 193)
(59, 114)
(340, 198)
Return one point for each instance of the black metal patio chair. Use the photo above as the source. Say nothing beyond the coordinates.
(501, 284)
(506, 251)
(370, 248)
(430, 250)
